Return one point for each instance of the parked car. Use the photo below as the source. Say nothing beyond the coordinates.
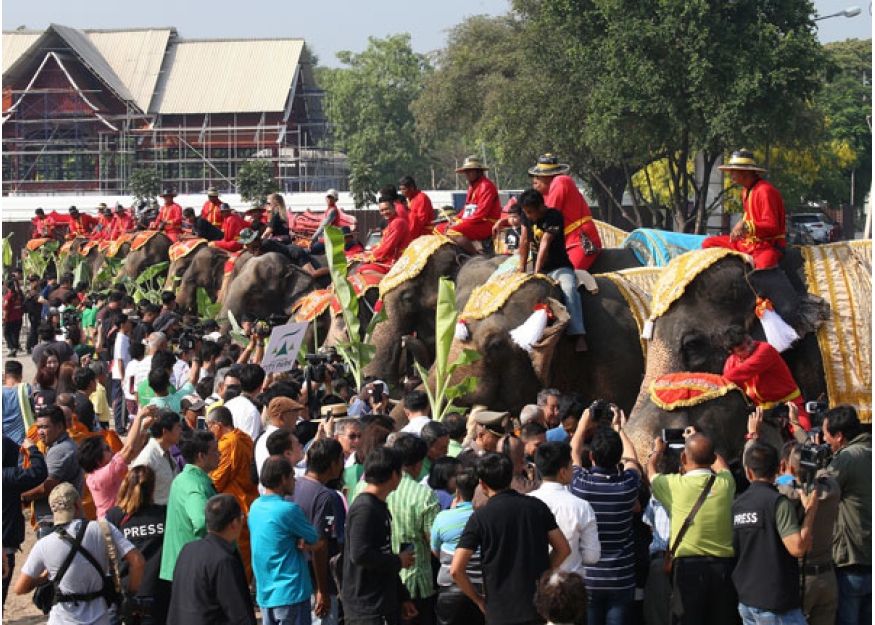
(810, 229)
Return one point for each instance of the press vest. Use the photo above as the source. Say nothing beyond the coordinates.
(766, 576)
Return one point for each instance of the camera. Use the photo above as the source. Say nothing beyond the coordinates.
(816, 410)
(188, 338)
(812, 458)
(600, 411)
(318, 366)
(70, 318)
(673, 437)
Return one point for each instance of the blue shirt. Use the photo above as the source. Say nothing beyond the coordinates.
(281, 574)
(13, 420)
(448, 526)
(557, 435)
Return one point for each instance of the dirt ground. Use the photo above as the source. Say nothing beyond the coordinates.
(20, 610)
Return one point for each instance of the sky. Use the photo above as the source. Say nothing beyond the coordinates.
(327, 26)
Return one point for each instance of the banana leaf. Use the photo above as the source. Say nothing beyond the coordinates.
(7, 250)
(206, 308)
(81, 273)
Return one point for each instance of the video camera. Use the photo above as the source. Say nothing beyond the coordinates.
(812, 458)
(188, 338)
(70, 318)
(601, 411)
(263, 327)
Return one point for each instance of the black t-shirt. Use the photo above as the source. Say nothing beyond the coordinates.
(511, 532)
(552, 222)
(146, 531)
(84, 410)
(278, 226)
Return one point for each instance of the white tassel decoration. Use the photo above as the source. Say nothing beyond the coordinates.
(461, 333)
(531, 330)
(647, 331)
(779, 333)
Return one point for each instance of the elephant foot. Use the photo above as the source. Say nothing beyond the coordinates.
(580, 344)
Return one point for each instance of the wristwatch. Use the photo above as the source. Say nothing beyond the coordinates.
(751, 436)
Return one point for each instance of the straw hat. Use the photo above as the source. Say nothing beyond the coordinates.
(548, 165)
(741, 160)
(472, 162)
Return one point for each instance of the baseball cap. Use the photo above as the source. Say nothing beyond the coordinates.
(62, 501)
(192, 402)
(331, 193)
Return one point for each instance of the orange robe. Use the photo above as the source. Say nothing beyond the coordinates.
(231, 477)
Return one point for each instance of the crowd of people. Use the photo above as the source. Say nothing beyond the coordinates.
(317, 502)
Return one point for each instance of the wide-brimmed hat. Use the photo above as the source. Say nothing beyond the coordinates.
(72, 209)
(548, 165)
(741, 160)
(337, 410)
(212, 191)
(472, 162)
(247, 236)
(225, 207)
(168, 191)
(62, 501)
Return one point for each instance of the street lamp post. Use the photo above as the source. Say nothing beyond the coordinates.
(849, 12)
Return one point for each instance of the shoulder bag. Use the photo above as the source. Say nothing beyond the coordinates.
(668, 561)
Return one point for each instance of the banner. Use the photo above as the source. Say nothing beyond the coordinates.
(283, 347)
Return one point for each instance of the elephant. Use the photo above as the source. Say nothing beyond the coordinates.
(156, 250)
(200, 269)
(328, 326)
(507, 379)
(267, 285)
(687, 335)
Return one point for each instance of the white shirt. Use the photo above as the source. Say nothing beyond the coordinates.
(121, 351)
(131, 370)
(261, 449)
(142, 372)
(49, 554)
(576, 519)
(181, 369)
(165, 470)
(246, 416)
(415, 425)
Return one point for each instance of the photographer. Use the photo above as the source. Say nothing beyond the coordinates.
(373, 399)
(851, 466)
(259, 333)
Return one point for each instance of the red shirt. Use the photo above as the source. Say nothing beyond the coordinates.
(764, 216)
(121, 224)
(481, 201)
(396, 238)
(104, 224)
(211, 211)
(421, 215)
(765, 377)
(12, 306)
(43, 227)
(171, 216)
(232, 226)
(81, 226)
(565, 197)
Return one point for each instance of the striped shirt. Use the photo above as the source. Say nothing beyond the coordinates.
(612, 496)
(414, 508)
(445, 534)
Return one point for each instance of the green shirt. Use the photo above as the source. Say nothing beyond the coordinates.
(852, 469)
(145, 394)
(174, 399)
(186, 515)
(352, 477)
(89, 317)
(454, 449)
(414, 508)
(711, 531)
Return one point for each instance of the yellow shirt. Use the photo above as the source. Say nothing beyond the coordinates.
(101, 405)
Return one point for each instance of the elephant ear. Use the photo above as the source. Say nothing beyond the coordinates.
(541, 352)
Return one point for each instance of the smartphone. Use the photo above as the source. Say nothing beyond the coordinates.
(378, 393)
(201, 423)
(673, 437)
(405, 547)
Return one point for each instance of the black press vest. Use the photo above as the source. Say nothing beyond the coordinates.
(766, 576)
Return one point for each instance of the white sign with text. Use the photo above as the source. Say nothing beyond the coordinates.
(283, 347)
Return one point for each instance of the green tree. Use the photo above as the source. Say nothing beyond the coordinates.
(145, 184)
(255, 181)
(368, 106)
(667, 79)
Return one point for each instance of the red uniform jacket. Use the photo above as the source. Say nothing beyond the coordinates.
(212, 213)
(567, 199)
(43, 228)
(121, 224)
(171, 216)
(232, 226)
(81, 226)
(421, 215)
(396, 238)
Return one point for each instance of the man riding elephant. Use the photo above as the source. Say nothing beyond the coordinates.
(212, 208)
(762, 231)
(43, 226)
(122, 223)
(169, 219)
(396, 238)
(482, 207)
(81, 224)
(232, 226)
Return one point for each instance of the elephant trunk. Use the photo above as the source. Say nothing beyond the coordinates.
(661, 359)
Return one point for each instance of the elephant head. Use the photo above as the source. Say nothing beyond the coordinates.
(723, 418)
(410, 309)
(156, 250)
(204, 270)
(267, 285)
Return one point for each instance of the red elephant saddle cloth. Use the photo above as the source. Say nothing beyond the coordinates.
(85, 248)
(35, 244)
(305, 224)
(115, 247)
(680, 272)
(181, 249)
(412, 261)
(141, 238)
(494, 293)
(685, 389)
(312, 305)
(361, 284)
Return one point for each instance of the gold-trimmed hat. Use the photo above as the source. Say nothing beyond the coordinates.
(549, 165)
(741, 160)
(212, 192)
(472, 162)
